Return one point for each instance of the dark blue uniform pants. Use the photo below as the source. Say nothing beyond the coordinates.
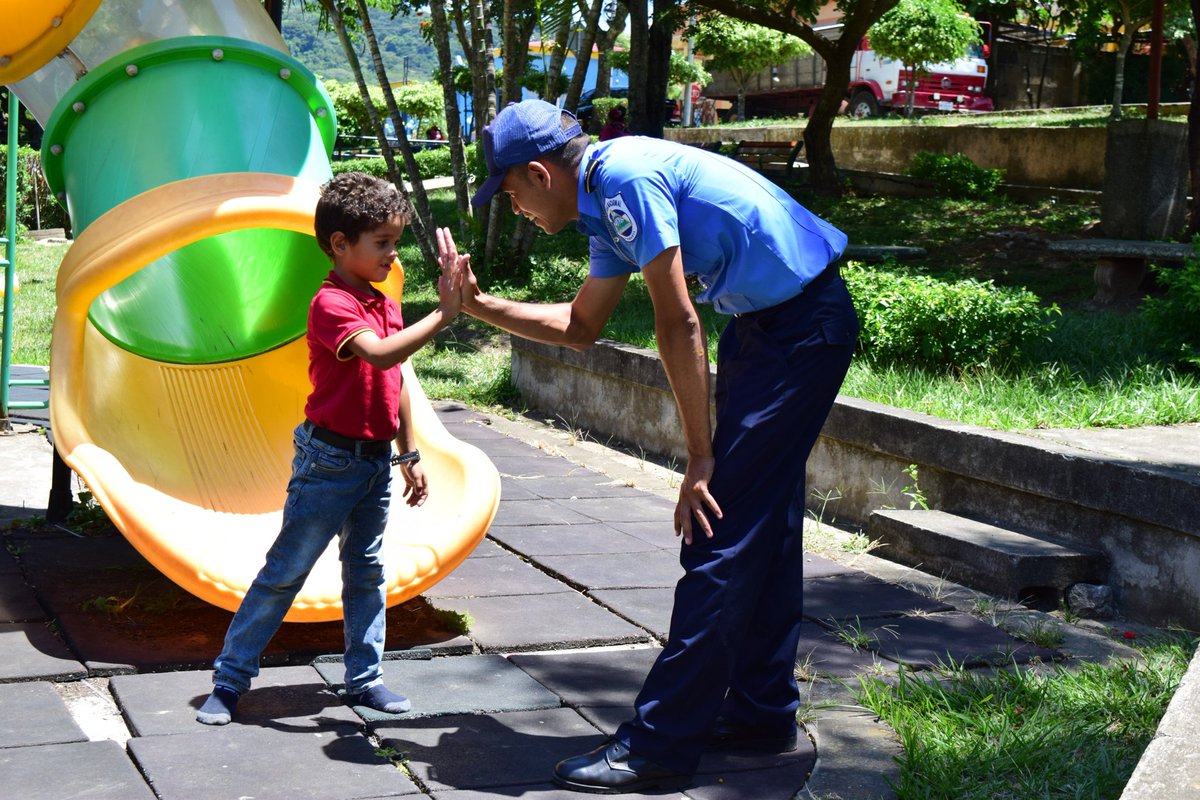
(736, 620)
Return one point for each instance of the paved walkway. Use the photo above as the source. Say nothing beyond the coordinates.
(569, 599)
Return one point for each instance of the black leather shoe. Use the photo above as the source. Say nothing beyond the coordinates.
(613, 769)
(728, 737)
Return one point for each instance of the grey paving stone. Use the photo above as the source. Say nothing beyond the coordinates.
(517, 489)
(858, 756)
(816, 566)
(292, 698)
(634, 507)
(609, 718)
(537, 512)
(821, 653)
(490, 577)
(544, 791)
(488, 549)
(783, 782)
(502, 446)
(29, 651)
(535, 466)
(92, 770)
(460, 685)
(927, 641)
(17, 601)
(476, 751)
(604, 678)
(657, 533)
(544, 540)
(617, 571)
(584, 484)
(649, 608)
(8, 564)
(268, 763)
(544, 621)
(857, 594)
(33, 713)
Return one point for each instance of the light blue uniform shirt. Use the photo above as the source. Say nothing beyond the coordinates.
(747, 241)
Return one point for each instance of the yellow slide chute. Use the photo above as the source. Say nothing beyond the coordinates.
(179, 364)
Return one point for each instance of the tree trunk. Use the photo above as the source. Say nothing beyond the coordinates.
(1193, 141)
(1127, 31)
(562, 38)
(639, 48)
(458, 165)
(604, 43)
(658, 64)
(583, 57)
(516, 52)
(333, 10)
(422, 218)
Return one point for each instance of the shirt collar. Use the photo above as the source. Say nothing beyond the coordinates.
(590, 168)
(372, 296)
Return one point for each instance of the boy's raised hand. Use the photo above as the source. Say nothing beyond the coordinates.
(453, 266)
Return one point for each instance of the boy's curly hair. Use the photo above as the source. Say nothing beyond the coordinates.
(354, 203)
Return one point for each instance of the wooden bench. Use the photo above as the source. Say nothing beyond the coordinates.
(773, 159)
(1121, 264)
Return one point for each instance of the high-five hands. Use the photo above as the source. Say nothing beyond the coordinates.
(454, 268)
(466, 284)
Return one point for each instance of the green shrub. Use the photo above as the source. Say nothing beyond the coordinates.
(432, 163)
(1173, 317)
(918, 320)
(36, 207)
(956, 175)
(372, 166)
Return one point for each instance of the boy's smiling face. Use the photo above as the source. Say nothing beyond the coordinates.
(370, 259)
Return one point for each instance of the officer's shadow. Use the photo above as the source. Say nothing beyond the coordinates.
(507, 754)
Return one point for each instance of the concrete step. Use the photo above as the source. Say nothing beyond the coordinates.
(991, 559)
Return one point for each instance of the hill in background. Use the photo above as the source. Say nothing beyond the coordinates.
(399, 40)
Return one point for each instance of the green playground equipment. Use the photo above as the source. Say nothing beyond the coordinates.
(9, 262)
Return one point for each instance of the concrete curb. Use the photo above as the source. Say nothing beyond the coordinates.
(1137, 509)
(1170, 767)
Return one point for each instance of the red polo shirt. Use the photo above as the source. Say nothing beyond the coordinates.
(350, 396)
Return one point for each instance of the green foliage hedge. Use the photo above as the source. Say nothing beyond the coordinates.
(431, 163)
(35, 205)
(955, 175)
(920, 321)
(1175, 317)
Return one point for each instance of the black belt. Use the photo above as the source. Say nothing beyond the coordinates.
(360, 447)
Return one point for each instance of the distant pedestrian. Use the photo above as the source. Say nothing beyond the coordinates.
(615, 127)
(342, 469)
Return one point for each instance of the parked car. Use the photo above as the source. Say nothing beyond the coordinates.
(584, 109)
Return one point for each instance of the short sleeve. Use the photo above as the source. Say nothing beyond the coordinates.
(604, 262)
(334, 317)
(641, 213)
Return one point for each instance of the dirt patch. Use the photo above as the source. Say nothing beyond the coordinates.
(119, 614)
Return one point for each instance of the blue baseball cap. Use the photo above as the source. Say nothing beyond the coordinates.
(519, 134)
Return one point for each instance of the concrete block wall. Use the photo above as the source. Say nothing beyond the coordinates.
(1142, 517)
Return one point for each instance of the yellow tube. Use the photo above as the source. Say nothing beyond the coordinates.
(35, 32)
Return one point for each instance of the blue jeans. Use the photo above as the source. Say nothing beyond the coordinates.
(332, 492)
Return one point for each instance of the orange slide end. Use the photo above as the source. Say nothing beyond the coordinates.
(191, 461)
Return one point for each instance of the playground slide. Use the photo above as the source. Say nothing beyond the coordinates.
(190, 162)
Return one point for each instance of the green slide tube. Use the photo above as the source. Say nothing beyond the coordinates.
(182, 108)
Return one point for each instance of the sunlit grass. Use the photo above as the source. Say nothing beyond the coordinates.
(1096, 368)
(1070, 732)
(34, 303)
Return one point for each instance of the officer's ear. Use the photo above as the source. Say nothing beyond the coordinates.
(537, 173)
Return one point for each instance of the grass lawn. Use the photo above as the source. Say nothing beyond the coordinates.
(1094, 369)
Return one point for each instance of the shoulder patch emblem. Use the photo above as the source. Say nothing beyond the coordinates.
(619, 218)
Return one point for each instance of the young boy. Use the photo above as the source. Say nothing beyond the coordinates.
(341, 472)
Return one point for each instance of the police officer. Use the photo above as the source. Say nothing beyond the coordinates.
(725, 678)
